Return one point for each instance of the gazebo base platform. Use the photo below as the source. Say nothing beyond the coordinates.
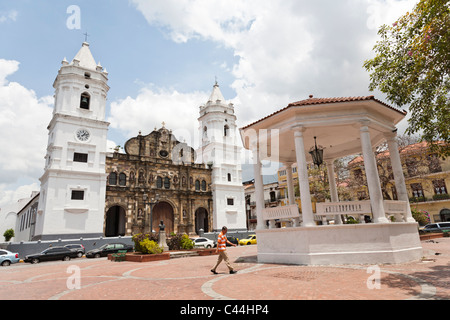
(371, 243)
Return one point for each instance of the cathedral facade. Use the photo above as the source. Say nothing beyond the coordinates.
(87, 191)
(157, 180)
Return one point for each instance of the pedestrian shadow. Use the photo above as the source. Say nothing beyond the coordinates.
(247, 259)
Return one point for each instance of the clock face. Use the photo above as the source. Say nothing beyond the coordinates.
(83, 135)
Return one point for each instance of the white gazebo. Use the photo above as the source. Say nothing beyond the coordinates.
(341, 126)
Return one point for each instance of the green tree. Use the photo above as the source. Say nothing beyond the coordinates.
(412, 66)
(8, 234)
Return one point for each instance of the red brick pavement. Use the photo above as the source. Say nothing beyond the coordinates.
(190, 279)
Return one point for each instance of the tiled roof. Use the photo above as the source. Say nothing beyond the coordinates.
(315, 101)
(409, 149)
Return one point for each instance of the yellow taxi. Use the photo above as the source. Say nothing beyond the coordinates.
(251, 239)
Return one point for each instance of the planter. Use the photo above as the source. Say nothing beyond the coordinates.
(206, 252)
(139, 257)
(429, 236)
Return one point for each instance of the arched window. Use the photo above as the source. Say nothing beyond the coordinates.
(203, 185)
(226, 129)
(112, 179)
(122, 179)
(197, 185)
(166, 183)
(85, 101)
(159, 182)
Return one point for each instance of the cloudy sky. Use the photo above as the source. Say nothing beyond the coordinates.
(163, 57)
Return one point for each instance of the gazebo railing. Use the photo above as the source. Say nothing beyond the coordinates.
(395, 211)
(289, 212)
(392, 208)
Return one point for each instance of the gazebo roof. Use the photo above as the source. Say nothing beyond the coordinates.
(335, 122)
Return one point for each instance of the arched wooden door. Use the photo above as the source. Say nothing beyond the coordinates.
(163, 211)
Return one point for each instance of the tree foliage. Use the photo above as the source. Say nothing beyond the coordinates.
(412, 66)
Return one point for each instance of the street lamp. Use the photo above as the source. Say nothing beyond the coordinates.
(316, 154)
(152, 202)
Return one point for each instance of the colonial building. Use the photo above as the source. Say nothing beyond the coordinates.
(157, 180)
(427, 178)
(87, 193)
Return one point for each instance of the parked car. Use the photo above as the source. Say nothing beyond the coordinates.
(251, 239)
(202, 242)
(53, 253)
(435, 227)
(79, 248)
(108, 248)
(8, 257)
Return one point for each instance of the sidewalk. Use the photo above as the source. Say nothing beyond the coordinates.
(190, 278)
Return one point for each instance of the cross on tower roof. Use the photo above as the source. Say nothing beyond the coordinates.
(86, 35)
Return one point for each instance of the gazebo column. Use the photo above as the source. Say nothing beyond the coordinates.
(399, 178)
(291, 192)
(259, 190)
(303, 181)
(333, 187)
(290, 184)
(373, 180)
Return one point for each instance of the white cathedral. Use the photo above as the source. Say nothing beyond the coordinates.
(73, 186)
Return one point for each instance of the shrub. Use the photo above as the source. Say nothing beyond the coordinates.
(180, 242)
(351, 220)
(138, 238)
(422, 217)
(8, 234)
(150, 247)
(186, 243)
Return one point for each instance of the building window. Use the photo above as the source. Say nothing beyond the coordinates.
(273, 196)
(85, 100)
(229, 176)
(112, 181)
(80, 157)
(166, 183)
(417, 190)
(197, 185)
(230, 201)
(439, 186)
(159, 182)
(226, 129)
(77, 195)
(203, 185)
(122, 179)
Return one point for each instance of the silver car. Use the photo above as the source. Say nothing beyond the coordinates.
(8, 257)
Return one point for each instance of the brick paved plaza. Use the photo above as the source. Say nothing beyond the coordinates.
(190, 278)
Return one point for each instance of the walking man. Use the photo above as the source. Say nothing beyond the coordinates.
(221, 248)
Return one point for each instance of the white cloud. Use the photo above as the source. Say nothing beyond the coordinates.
(10, 15)
(287, 49)
(23, 122)
(153, 106)
(10, 196)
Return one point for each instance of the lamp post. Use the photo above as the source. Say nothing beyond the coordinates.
(316, 154)
(152, 202)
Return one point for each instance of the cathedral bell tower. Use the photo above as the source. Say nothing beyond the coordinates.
(73, 186)
(220, 150)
